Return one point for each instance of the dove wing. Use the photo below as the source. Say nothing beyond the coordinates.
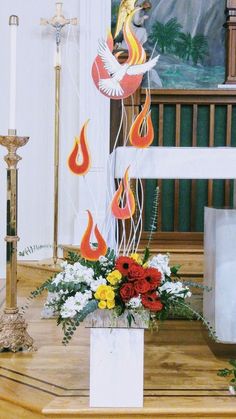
(142, 68)
(110, 62)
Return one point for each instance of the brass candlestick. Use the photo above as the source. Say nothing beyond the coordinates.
(13, 334)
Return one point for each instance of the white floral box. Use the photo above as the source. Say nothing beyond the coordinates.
(116, 367)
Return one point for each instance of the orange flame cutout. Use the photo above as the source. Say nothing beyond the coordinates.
(87, 252)
(80, 148)
(136, 52)
(128, 210)
(136, 139)
(110, 41)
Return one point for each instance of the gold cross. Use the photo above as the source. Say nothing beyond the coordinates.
(58, 22)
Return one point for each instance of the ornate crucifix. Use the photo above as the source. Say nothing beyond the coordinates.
(57, 22)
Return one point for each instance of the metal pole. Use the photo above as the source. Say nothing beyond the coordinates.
(56, 160)
(58, 21)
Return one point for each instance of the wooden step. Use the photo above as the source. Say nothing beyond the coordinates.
(36, 272)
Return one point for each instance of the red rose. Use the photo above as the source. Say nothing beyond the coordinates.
(123, 264)
(136, 272)
(153, 276)
(152, 302)
(142, 286)
(127, 291)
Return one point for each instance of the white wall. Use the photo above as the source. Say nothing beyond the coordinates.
(35, 117)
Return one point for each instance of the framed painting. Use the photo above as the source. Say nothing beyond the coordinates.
(189, 35)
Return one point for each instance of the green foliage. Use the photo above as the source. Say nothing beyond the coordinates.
(36, 293)
(146, 255)
(69, 325)
(41, 288)
(189, 311)
(154, 216)
(34, 248)
(170, 39)
(191, 48)
(229, 373)
(73, 257)
(174, 270)
(166, 34)
(130, 319)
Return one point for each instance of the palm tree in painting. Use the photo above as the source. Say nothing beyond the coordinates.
(200, 48)
(191, 48)
(166, 34)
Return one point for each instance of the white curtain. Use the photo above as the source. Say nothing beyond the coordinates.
(35, 118)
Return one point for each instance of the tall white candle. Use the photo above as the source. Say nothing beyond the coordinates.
(13, 23)
(57, 57)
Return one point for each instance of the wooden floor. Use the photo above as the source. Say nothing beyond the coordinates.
(180, 375)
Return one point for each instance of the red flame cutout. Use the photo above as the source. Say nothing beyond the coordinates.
(136, 138)
(128, 210)
(87, 252)
(80, 148)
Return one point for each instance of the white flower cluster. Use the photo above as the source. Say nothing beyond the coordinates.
(74, 273)
(160, 262)
(134, 302)
(94, 283)
(105, 264)
(75, 304)
(232, 390)
(176, 289)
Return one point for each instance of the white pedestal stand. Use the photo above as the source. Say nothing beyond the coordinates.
(219, 304)
(116, 366)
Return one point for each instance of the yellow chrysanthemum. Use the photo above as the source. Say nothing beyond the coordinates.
(104, 292)
(114, 277)
(100, 294)
(137, 258)
(111, 304)
(110, 295)
(102, 304)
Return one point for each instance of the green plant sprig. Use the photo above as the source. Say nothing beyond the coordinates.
(229, 372)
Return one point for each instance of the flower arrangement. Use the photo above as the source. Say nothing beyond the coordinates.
(124, 285)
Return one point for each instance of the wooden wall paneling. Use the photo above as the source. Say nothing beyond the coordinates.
(193, 182)
(177, 144)
(184, 96)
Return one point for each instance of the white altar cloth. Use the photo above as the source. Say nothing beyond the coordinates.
(176, 162)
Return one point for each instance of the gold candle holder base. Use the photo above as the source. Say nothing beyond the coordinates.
(13, 334)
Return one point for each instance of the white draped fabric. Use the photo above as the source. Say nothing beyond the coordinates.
(176, 162)
(35, 117)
